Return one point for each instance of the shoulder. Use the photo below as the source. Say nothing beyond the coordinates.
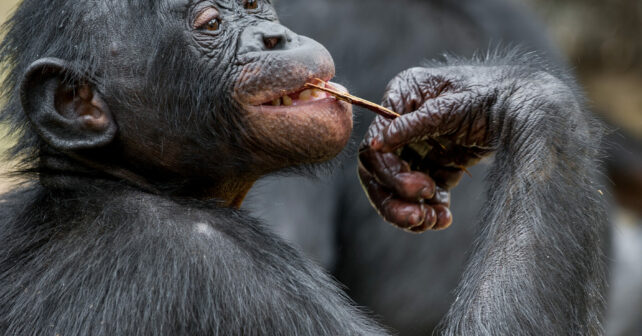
(194, 224)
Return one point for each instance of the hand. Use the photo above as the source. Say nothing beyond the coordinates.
(408, 165)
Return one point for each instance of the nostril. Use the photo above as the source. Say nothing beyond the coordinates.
(272, 42)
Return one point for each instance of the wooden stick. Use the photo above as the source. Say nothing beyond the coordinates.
(380, 110)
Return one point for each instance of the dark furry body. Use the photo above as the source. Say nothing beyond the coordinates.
(123, 262)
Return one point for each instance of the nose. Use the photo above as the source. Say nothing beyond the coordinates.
(266, 36)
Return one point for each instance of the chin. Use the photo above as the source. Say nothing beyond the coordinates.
(305, 127)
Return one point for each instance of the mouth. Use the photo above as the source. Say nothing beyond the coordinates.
(304, 125)
(302, 96)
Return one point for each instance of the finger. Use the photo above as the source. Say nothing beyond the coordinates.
(402, 94)
(462, 116)
(377, 126)
(407, 215)
(441, 214)
(443, 221)
(434, 118)
(394, 173)
(444, 218)
(400, 213)
(408, 90)
(442, 197)
(414, 185)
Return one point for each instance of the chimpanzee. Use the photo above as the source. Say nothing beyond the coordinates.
(330, 219)
(143, 124)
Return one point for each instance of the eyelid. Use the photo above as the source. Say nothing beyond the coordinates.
(206, 16)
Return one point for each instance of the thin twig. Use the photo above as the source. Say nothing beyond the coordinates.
(382, 111)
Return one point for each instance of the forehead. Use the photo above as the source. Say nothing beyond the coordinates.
(139, 14)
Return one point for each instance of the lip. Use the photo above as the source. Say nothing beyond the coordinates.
(318, 98)
(310, 131)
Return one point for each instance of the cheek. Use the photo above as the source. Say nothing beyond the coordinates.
(314, 135)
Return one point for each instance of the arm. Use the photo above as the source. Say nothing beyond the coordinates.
(537, 265)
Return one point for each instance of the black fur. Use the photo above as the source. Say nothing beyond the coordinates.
(84, 252)
(110, 260)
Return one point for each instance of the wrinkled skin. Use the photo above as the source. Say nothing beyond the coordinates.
(449, 117)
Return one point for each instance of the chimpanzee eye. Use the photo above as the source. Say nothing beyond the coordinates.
(213, 25)
(209, 19)
(251, 4)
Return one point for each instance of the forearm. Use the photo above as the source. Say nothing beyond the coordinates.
(537, 267)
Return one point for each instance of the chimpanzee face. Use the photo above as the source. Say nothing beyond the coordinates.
(230, 82)
(179, 91)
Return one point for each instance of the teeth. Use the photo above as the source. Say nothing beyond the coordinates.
(305, 95)
(320, 83)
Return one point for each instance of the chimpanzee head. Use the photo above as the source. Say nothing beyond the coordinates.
(197, 97)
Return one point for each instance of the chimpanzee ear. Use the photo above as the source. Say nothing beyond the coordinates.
(66, 111)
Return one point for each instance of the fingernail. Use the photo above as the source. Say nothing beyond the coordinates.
(444, 219)
(427, 192)
(431, 217)
(414, 220)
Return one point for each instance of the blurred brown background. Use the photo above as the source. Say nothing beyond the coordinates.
(603, 41)
(5, 6)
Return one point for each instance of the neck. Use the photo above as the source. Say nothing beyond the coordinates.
(63, 171)
(230, 193)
